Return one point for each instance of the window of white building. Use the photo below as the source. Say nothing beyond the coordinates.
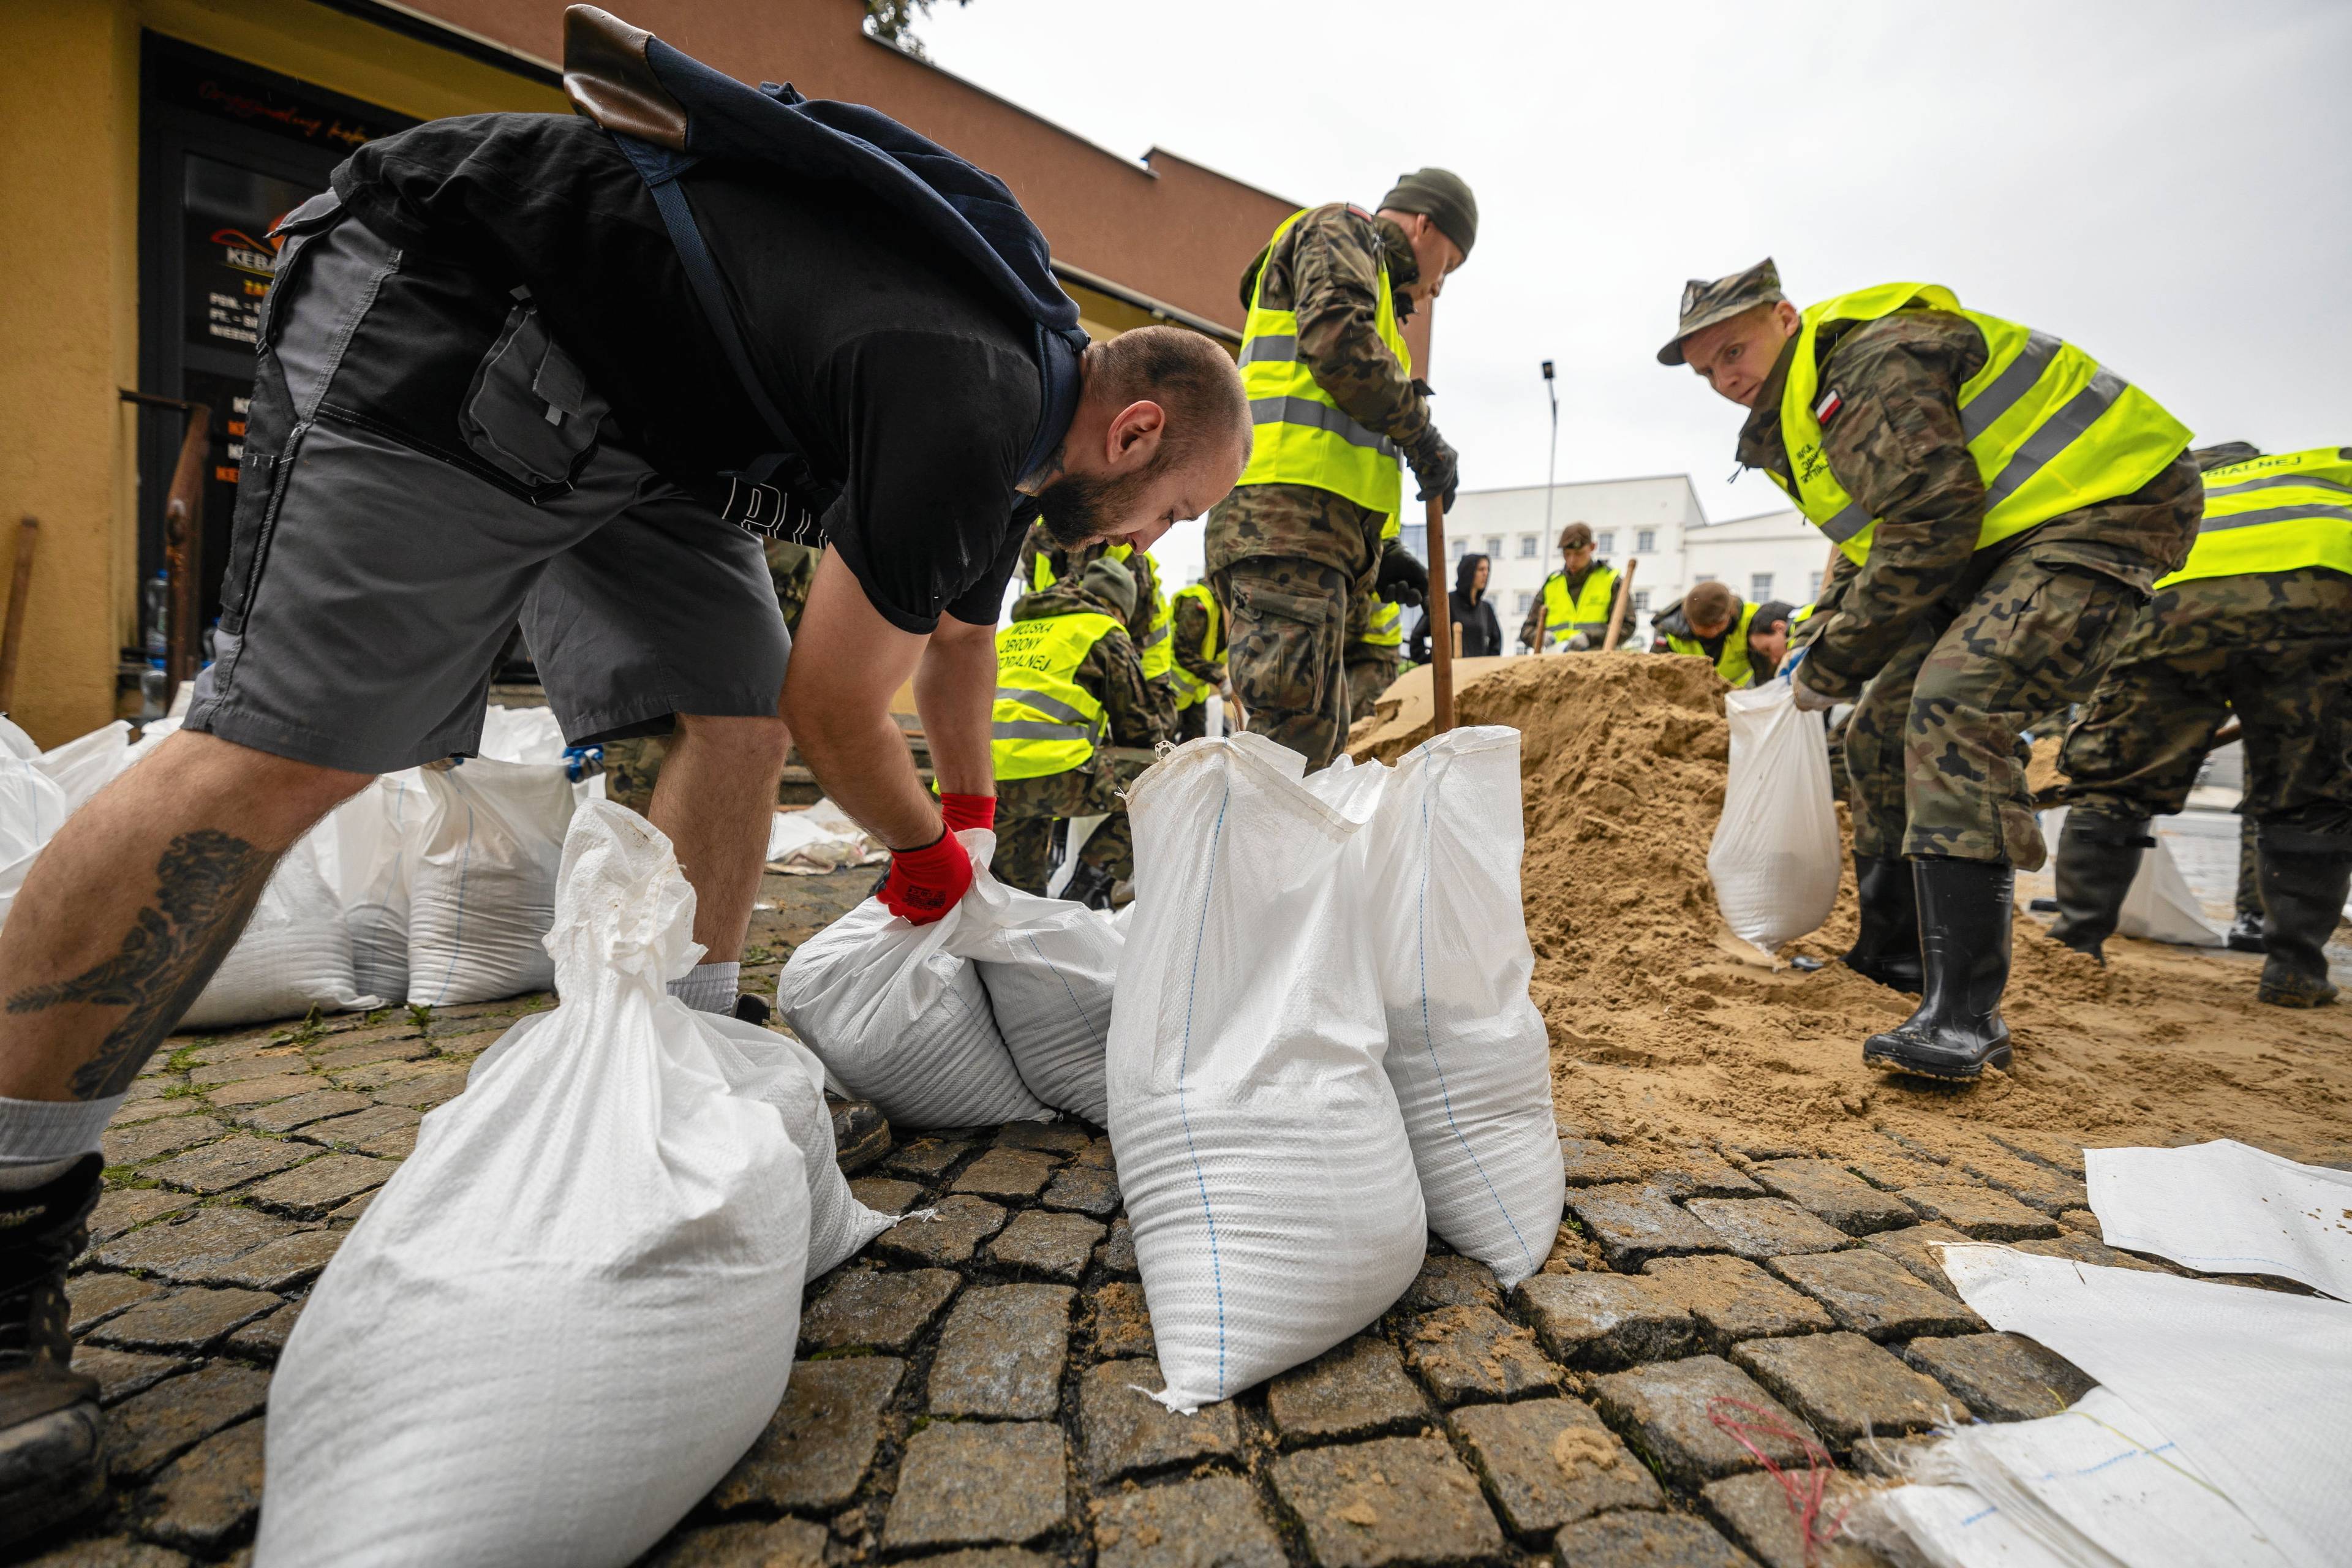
(1527, 602)
(1641, 601)
(1461, 548)
(1759, 587)
(1644, 540)
(1494, 547)
(1813, 586)
(1605, 542)
(1528, 547)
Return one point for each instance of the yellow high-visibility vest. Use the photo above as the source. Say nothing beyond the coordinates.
(2274, 514)
(1159, 655)
(1732, 662)
(1190, 688)
(1384, 627)
(1045, 722)
(1565, 614)
(1303, 436)
(1394, 527)
(2050, 427)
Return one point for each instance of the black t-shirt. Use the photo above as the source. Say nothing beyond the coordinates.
(905, 380)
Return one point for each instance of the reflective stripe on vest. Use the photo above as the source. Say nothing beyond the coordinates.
(1303, 436)
(1045, 722)
(2051, 429)
(1566, 614)
(1732, 662)
(1385, 628)
(1190, 688)
(2274, 514)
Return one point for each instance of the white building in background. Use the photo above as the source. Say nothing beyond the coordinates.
(1653, 524)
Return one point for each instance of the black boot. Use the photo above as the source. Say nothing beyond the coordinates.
(1964, 909)
(2246, 934)
(861, 1133)
(2303, 897)
(1886, 948)
(52, 1449)
(1090, 885)
(2097, 858)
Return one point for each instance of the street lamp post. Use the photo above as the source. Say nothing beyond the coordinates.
(1551, 467)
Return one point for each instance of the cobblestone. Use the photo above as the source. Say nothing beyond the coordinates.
(925, 1158)
(1087, 1189)
(1064, 1139)
(786, 1543)
(1765, 1227)
(1704, 1173)
(1871, 1294)
(2037, 1186)
(283, 1060)
(2045, 1149)
(822, 1439)
(1915, 1248)
(1213, 1522)
(1122, 1322)
(978, 1484)
(1011, 1173)
(1548, 1462)
(1606, 1320)
(1646, 1540)
(121, 1373)
(125, 1207)
(962, 1223)
(111, 1551)
(149, 1430)
(279, 1265)
(323, 1183)
(1731, 1300)
(424, 1091)
(1847, 1387)
(1450, 1281)
(192, 1247)
(886, 1194)
(229, 1164)
(1057, 1245)
(1002, 1352)
(1984, 1213)
(361, 1127)
(153, 1139)
(265, 1337)
(213, 1491)
(1466, 1353)
(1125, 1432)
(1118, 1251)
(1668, 1409)
(1892, 1171)
(1356, 1389)
(1633, 1224)
(1754, 1512)
(2084, 1249)
(286, 1115)
(259, 1090)
(368, 1052)
(867, 1310)
(92, 1299)
(2001, 1378)
(188, 1320)
(1591, 1163)
(1888, 1458)
(1397, 1500)
(1835, 1195)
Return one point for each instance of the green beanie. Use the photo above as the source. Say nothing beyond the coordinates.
(1442, 197)
(1110, 580)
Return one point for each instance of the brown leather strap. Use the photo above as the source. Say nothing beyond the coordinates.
(609, 79)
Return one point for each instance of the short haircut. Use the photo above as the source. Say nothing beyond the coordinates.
(1708, 603)
(1576, 536)
(1188, 376)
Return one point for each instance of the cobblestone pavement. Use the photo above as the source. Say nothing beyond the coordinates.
(972, 1389)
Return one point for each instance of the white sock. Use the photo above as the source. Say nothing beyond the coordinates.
(708, 987)
(41, 1139)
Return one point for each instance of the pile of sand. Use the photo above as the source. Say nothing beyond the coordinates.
(1660, 1034)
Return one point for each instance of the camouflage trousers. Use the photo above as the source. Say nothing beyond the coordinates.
(1286, 656)
(1192, 723)
(1935, 765)
(2272, 650)
(1027, 809)
(1371, 671)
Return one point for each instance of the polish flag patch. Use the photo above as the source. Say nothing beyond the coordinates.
(1827, 408)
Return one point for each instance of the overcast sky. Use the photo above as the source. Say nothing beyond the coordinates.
(2167, 185)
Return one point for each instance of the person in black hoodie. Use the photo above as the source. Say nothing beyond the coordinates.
(1482, 634)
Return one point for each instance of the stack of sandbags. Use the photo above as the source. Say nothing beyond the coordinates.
(32, 808)
(481, 888)
(1049, 967)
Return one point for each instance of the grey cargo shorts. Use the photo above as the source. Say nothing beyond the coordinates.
(424, 466)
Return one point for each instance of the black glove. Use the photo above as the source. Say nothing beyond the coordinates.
(1436, 467)
(1403, 579)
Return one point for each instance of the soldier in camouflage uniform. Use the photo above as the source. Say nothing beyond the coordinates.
(1043, 562)
(2272, 648)
(1947, 649)
(1287, 559)
(1371, 665)
(1189, 633)
(1030, 811)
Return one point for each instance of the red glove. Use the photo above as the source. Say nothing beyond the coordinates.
(924, 884)
(967, 810)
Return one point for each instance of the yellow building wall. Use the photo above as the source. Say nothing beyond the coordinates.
(70, 289)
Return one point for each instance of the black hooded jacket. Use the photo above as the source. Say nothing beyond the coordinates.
(1482, 634)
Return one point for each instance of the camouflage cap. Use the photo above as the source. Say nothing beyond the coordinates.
(1705, 303)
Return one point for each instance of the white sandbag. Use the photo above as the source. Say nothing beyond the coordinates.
(367, 849)
(294, 954)
(482, 890)
(1261, 1151)
(901, 1021)
(1777, 856)
(1468, 1051)
(88, 764)
(151, 735)
(820, 840)
(2226, 1208)
(572, 1308)
(1049, 967)
(2160, 907)
(32, 809)
(521, 735)
(17, 743)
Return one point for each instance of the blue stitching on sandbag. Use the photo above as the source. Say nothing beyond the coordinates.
(1200, 933)
(1075, 1004)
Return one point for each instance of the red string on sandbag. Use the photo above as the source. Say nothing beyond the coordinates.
(1805, 1494)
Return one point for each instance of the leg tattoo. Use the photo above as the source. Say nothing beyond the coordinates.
(207, 883)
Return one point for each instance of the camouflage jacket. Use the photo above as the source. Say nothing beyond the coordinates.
(1068, 565)
(2205, 615)
(1327, 270)
(1897, 447)
(1191, 634)
(792, 569)
(1111, 672)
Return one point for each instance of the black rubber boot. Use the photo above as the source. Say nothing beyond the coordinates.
(2303, 897)
(2245, 935)
(1964, 911)
(861, 1133)
(1090, 885)
(52, 1439)
(1886, 948)
(2097, 858)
